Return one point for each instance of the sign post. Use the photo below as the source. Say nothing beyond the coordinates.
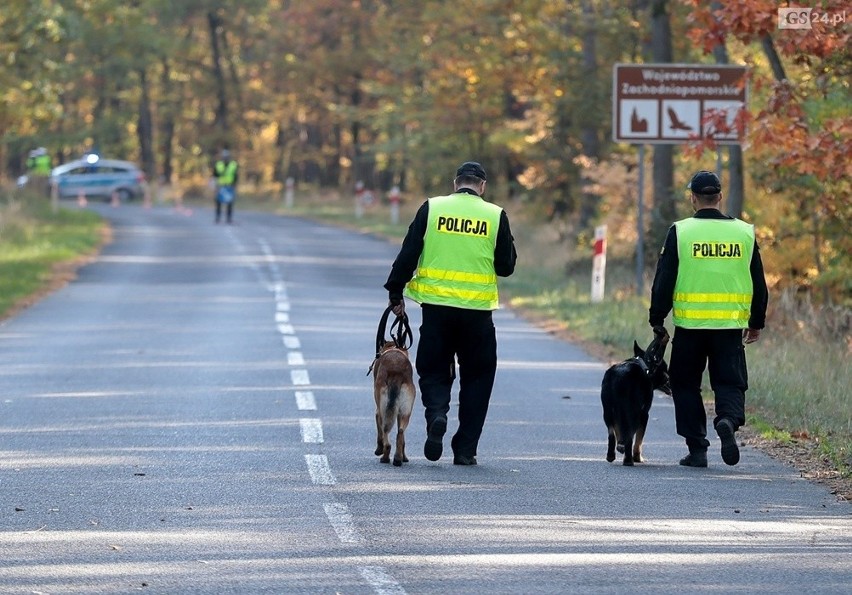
(677, 103)
(656, 104)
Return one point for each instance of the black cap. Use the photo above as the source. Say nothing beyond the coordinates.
(471, 168)
(706, 183)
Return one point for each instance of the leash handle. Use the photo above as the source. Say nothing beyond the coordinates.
(380, 333)
(402, 338)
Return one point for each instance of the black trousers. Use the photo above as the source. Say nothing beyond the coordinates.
(723, 354)
(447, 333)
(229, 210)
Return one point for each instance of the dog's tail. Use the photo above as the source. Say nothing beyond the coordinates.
(393, 397)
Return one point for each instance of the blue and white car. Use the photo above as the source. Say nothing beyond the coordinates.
(96, 177)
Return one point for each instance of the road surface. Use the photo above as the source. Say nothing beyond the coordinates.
(192, 415)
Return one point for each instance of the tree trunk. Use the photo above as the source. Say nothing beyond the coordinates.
(774, 59)
(167, 123)
(664, 212)
(589, 137)
(145, 128)
(221, 114)
(735, 191)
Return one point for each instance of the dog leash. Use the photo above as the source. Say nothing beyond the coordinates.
(654, 354)
(400, 333)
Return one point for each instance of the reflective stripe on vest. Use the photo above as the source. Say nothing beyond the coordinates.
(456, 266)
(714, 287)
(225, 174)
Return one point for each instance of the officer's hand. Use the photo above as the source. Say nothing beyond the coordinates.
(750, 335)
(660, 331)
(397, 306)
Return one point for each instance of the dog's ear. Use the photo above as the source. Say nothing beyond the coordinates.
(637, 351)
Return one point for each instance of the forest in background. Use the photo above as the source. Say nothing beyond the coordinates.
(397, 92)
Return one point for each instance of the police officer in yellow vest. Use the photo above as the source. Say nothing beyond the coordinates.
(710, 276)
(449, 262)
(39, 163)
(226, 173)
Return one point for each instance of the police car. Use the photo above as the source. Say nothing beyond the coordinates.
(92, 176)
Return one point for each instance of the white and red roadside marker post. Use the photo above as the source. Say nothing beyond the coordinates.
(394, 197)
(289, 190)
(599, 265)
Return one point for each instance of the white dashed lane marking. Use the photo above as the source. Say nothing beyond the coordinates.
(305, 400)
(311, 430)
(300, 377)
(338, 515)
(320, 471)
(381, 581)
(341, 521)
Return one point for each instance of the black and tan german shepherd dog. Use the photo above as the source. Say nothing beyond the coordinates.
(393, 387)
(627, 392)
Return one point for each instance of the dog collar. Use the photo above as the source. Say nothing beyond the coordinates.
(641, 363)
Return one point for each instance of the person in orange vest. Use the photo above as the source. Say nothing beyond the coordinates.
(710, 276)
(449, 262)
(226, 174)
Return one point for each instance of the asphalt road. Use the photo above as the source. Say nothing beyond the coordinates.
(192, 415)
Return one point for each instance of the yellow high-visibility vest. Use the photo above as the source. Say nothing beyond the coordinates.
(713, 288)
(226, 173)
(456, 267)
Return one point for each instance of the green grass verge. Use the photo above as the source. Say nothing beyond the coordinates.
(34, 240)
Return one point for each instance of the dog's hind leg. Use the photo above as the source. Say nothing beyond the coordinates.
(610, 445)
(389, 415)
(380, 447)
(399, 454)
(627, 432)
(382, 427)
(640, 437)
(387, 427)
(628, 451)
(407, 396)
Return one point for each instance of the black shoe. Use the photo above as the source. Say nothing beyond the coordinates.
(434, 438)
(464, 460)
(730, 450)
(695, 458)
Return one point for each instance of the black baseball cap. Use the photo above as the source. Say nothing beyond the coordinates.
(706, 183)
(471, 168)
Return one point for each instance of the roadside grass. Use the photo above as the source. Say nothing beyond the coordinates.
(34, 240)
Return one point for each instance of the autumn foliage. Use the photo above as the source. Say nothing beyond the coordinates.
(800, 130)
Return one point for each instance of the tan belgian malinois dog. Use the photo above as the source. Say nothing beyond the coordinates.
(393, 387)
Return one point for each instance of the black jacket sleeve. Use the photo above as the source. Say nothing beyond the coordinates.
(662, 291)
(760, 295)
(505, 254)
(406, 261)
